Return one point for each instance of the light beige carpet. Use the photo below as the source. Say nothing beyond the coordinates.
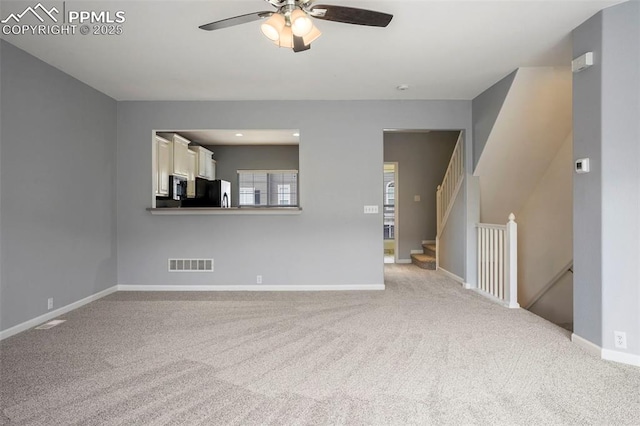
(424, 351)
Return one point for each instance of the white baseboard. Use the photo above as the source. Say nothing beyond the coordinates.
(50, 315)
(428, 241)
(591, 348)
(606, 354)
(404, 261)
(451, 275)
(621, 357)
(467, 286)
(416, 251)
(252, 287)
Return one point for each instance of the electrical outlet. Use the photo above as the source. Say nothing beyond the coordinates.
(370, 209)
(50, 303)
(258, 279)
(620, 339)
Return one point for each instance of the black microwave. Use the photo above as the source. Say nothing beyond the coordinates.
(177, 187)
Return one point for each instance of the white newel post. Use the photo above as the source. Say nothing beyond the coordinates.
(511, 262)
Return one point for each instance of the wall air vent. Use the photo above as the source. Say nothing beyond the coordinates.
(190, 265)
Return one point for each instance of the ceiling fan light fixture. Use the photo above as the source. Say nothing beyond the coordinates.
(286, 38)
(312, 36)
(301, 24)
(273, 27)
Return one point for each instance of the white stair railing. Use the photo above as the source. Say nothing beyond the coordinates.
(498, 261)
(447, 191)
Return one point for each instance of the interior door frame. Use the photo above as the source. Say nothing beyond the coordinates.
(396, 216)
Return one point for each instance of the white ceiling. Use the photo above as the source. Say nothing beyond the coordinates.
(441, 49)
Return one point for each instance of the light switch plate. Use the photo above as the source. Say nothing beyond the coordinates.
(370, 209)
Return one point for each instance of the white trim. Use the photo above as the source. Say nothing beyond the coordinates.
(491, 226)
(404, 261)
(396, 207)
(417, 251)
(588, 346)
(467, 286)
(621, 357)
(192, 211)
(252, 287)
(451, 275)
(428, 241)
(50, 315)
(239, 171)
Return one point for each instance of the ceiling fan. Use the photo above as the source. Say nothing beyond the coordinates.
(291, 26)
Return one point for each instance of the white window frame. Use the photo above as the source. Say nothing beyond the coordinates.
(283, 199)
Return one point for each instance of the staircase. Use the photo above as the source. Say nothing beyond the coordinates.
(426, 260)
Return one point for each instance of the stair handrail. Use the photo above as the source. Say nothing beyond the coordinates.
(447, 191)
(552, 283)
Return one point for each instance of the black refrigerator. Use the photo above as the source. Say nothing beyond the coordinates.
(210, 193)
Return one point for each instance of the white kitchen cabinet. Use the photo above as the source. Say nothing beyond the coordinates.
(180, 149)
(206, 164)
(163, 166)
(192, 163)
(211, 170)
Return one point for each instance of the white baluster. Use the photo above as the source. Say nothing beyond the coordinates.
(486, 252)
(479, 258)
(490, 261)
(438, 211)
(501, 265)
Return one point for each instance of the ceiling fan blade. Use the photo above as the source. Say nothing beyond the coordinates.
(298, 44)
(351, 15)
(236, 20)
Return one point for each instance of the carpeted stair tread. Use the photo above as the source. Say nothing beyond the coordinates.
(423, 257)
(424, 261)
(429, 249)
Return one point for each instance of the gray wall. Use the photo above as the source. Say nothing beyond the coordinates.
(486, 108)
(331, 242)
(621, 175)
(231, 158)
(607, 200)
(57, 188)
(422, 162)
(587, 188)
(453, 236)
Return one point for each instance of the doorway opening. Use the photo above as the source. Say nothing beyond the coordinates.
(389, 212)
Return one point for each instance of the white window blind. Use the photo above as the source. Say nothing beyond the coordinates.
(268, 188)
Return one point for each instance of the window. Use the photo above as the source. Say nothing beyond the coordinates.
(248, 196)
(390, 193)
(268, 188)
(284, 195)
